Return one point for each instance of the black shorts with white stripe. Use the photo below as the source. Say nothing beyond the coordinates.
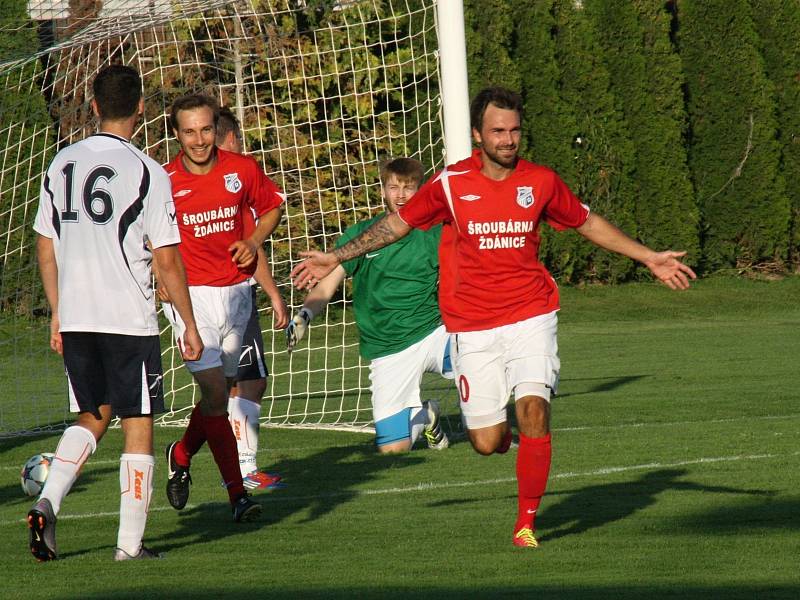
(251, 362)
(123, 371)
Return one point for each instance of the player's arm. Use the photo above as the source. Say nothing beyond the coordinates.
(172, 277)
(315, 302)
(244, 251)
(317, 265)
(664, 265)
(48, 269)
(263, 277)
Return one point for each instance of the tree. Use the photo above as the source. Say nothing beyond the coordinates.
(603, 149)
(489, 29)
(778, 25)
(645, 75)
(734, 155)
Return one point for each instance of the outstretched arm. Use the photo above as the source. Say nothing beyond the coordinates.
(315, 302)
(664, 265)
(318, 264)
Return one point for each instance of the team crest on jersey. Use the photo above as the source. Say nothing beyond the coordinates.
(232, 183)
(525, 196)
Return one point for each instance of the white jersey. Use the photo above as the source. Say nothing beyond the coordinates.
(101, 201)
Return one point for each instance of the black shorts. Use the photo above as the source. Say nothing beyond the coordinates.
(123, 371)
(251, 361)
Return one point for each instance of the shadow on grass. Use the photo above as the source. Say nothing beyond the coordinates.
(607, 384)
(598, 505)
(318, 484)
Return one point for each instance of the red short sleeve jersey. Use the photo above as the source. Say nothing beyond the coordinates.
(490, 274)
(211, 211)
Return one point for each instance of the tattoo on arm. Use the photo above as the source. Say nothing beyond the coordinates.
(378, 235)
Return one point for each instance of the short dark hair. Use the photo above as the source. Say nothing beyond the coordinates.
(405, 169)
(499, 96)
(226, 123)
(190, 102)
(117, 90)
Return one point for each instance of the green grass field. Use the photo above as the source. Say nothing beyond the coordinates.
(675, 474)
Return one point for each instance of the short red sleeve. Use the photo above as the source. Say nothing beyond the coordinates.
(262, 194)
(427, 207)
(564, 210)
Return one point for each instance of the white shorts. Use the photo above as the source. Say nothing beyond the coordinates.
(221, 314)
(396, 378)
(490, 364)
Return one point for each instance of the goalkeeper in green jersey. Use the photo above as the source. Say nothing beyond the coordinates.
(397, 313)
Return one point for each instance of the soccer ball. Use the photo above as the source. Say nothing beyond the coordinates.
(35, 472)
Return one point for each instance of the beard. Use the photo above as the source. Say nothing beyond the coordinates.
(505, 161)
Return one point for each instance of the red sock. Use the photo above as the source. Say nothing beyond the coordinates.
(533, 468)
(222, 443)
(193, 438)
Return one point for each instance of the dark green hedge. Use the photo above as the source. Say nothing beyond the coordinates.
(678, 120)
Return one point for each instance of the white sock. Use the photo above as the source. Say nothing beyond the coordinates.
(136, 488)
(417, 419)
(244, 415)
(75, 446)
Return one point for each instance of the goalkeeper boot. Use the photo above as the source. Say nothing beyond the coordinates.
(436, 438)
(260, 480)
(178, 480)
(524, 538)
(245, 509)
(42, 530)
(144, 553)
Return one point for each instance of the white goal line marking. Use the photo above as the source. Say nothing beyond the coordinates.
(423, 487)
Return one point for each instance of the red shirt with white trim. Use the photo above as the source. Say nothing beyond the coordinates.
(211, 211)
(489, 269)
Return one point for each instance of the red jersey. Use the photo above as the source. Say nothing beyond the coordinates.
(211, 211)
(489, 269)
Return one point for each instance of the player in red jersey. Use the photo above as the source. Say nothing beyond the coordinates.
(212, 189)
(497, 300)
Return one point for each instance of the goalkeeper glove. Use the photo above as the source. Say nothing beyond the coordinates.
(297, 328)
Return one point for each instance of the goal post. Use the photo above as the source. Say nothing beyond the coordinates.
(325, 91)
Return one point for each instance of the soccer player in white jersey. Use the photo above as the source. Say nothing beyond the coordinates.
(397, 313)
(244, 398)
(497, 300)
(103, 204)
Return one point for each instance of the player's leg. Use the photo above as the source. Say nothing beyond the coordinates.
(397, 409)
(135, 392)
(86, 385)
(244, 403)
(479, 368)
(235, 305)
(136, 467)
(437, 360)
(533, 368)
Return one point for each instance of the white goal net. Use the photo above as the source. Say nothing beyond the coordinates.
(325, 92)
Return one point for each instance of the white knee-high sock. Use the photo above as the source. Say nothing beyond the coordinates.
(244, 415)
(75, 446)
(417, 420)
(136, 488)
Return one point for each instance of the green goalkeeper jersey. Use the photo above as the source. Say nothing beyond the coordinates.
(395, 290)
